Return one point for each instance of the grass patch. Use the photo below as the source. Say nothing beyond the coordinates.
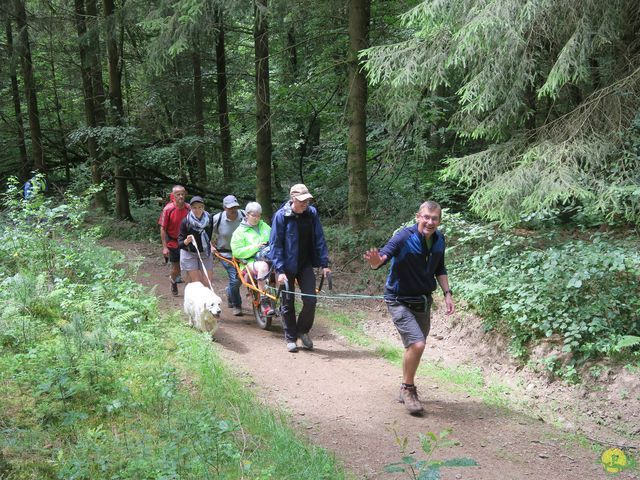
(167, 406)
(348, 326)
(354, 336)
(470, 380)
(389, 352)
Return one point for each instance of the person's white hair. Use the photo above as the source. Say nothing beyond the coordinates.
(253, 207)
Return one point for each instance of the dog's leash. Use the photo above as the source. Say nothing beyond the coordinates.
(195, 244)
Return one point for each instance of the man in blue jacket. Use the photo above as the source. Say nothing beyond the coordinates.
(417, 261)
(297, 245)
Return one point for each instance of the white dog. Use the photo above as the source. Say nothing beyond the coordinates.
(202, 306)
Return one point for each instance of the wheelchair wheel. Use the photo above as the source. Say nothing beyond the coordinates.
(263, 321)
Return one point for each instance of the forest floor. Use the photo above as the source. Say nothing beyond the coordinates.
(343, 397)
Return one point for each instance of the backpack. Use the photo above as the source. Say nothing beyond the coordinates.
(36, 185)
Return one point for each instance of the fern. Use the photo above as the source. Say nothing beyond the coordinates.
(627, 341)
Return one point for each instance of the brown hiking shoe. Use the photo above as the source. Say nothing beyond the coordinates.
(409, 396)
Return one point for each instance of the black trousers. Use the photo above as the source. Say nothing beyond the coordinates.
(307, 283)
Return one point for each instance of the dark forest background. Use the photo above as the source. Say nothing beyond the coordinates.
(510, 112)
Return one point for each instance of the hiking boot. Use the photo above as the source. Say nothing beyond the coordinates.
(237, 311)
(265, 307)
(292, 347)
(306, 341)
(174, 289)
(409, 396)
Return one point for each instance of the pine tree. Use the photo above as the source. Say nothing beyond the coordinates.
(553, 85)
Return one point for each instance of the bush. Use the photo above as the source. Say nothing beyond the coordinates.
(535, 285)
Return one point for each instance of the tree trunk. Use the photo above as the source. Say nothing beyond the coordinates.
(223, 105)
(263, 112)
(290, 77)
(292, 53)
(115, 98)
(115, 86)
(96, 92)
(437, 139)
(89, 99)
(138, 189)
(198, 110)
(95, 63)
(58, 106)
(15, 93)
(85, 74)
(357, 110)
(24, 50)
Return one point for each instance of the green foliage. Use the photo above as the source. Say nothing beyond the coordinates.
(428, 468)
(144, 227)
(347, 247)
(551, 88)
(119, 137)
(540, 285)
(27, 312)
(627, 341)
(197, 445)
(592, 178)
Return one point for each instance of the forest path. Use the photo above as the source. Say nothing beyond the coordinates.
(343, 398)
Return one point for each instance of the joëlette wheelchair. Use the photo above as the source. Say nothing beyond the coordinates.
(274, 297)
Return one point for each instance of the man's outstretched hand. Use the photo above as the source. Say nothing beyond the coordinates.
(374, 258)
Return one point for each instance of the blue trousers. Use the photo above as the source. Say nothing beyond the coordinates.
(233, 289)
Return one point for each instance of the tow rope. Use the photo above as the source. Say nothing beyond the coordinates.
(279, 290)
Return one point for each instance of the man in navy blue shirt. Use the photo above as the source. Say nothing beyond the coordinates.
(417, 262)
(297, 245)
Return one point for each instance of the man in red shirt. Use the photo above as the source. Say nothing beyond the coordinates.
(170, 219)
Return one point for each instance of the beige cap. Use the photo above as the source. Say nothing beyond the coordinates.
(300, 192)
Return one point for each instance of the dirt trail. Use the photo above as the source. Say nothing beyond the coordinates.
(344, 398)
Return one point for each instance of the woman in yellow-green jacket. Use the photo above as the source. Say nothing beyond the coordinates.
(249, 244)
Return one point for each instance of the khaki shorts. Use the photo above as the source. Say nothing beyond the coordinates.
(413, 324)
(189, 261)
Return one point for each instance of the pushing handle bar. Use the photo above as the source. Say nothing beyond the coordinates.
(282, 289)
(329, 282)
